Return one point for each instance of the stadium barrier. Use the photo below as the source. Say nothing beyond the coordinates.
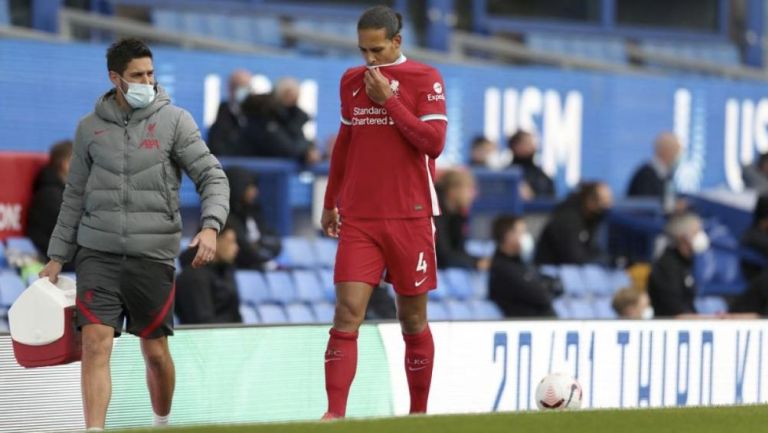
(260, 374)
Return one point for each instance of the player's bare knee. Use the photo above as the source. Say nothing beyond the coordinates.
(347, 318)
(412, 322)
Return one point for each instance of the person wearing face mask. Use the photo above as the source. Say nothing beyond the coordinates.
(569, 236)
(120, 223)
(224, 134)
(632, 303)
(656, 177)
(671, 285)
(456, 192)
(536, 183)
(514, 284)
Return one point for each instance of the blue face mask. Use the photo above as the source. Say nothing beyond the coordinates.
(139, 95)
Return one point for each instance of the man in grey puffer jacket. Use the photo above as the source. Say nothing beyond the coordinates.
(120, 223)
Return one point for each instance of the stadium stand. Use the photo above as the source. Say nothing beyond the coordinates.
(606, 49)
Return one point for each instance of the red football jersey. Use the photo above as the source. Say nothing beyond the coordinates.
(384, 175)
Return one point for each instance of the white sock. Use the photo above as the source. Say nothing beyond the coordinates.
(94, 429)
(161, 420)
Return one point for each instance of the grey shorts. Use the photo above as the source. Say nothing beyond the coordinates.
(112, 288)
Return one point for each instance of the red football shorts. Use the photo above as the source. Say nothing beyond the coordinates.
(404, 247)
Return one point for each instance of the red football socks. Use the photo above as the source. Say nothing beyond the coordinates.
(340, 367)
(419, 354)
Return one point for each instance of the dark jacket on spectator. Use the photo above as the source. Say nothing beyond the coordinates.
(519, 290)
(451, 229)
(671, 286)
(568, 237)
(541, 184)
(267, 134)
(258, 243)
(224, 134)
(44, 208)
(757, 240)
(646, 182)
(207, 294)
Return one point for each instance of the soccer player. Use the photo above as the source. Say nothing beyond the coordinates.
(120, 223)
(380, 201)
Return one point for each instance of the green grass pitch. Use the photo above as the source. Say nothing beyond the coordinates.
(738, 419)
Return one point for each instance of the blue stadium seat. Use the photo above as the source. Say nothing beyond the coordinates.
(562, 308)
(723, 53)
(271, 313)
(308, 286)
(485, 309)
(20, 244)
(582, 309)
(323, 312)
(619, 280)
(280, 286)
(480, 284)
(573, 281)
(443, 290)
(248, 314)
(326, 282)
(166, 19)
(550, 271)
(252, 287)
(459, 310)
(297, 252)
(436, 311)
(267, 31)
(11, 287)
(595, 278)
(299, 313)
(605, 49)
(459, 282)
(5, 13)
(480, 247)
(710, 305)
(602, 308)
(325, 251)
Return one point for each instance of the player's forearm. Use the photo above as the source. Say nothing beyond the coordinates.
(427, 137)
(336, 170)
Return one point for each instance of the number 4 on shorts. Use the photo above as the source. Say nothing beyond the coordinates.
(422, 265)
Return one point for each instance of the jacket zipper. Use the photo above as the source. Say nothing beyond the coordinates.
(124, 215)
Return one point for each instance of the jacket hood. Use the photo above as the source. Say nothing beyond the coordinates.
(108, 110)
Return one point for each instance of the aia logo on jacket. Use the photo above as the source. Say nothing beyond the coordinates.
(150, 141)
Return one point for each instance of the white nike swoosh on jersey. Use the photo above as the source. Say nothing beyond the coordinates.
(355, 92)
(418, 283)
(416, 368)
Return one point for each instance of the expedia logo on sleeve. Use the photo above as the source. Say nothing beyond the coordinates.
(438, 95)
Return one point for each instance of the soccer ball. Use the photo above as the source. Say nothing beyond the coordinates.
(558, 391)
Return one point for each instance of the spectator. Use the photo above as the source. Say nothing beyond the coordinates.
(656, 177)
(209, 294)
(267, 135)
(292, 117)
(756, 238)
(671, 286)
(632, 303)
(536, 183)
(224, 135)
(569, 236)
(258, 245)
(515, 285)
(456, 193)
(47, 195)
(481, 152)
(756, 175)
